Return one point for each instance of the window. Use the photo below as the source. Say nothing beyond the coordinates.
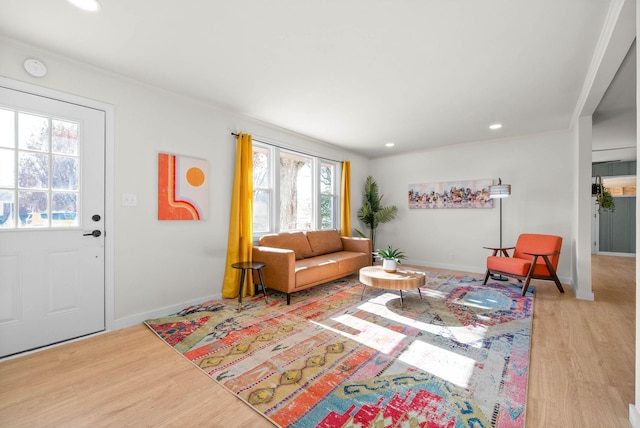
(39, 171)
(292, 191)
(262, 193)
(328, 195)
(296, 192)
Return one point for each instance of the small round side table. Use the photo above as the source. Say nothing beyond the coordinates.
(245, 266)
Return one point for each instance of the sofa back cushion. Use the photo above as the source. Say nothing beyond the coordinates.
(296, 241)
(324, 241)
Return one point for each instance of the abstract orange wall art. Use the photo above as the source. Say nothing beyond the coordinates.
(183, 188)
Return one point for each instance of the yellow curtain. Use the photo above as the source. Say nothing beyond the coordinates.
(240, 239)
(345, 200)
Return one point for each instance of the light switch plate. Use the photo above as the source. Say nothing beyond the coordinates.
(129, 200)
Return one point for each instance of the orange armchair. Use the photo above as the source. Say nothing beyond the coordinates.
(535, 256)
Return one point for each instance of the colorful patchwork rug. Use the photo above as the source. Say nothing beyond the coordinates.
(457, 356)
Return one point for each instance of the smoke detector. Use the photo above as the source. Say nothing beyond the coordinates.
(35, 67)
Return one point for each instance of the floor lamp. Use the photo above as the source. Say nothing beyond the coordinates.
(500, 191)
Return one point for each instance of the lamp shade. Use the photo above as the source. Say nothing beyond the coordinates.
(500, 190)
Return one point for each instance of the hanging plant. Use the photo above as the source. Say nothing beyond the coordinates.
(605, 201)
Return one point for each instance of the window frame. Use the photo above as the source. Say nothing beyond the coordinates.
(273, 181)
(334, 195)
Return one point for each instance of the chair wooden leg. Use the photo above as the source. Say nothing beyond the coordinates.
(529, 274)
(553, 274)
(486, 277)
(526, 286)
(558, 284)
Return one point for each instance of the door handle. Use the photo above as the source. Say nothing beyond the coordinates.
(95, 233)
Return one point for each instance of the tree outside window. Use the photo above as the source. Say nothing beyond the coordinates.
(298, 191)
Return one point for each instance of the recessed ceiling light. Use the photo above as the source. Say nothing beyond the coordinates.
(88, 5)
(495, 126)
(390, 144)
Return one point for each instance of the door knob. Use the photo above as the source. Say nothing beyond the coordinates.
(95, 233)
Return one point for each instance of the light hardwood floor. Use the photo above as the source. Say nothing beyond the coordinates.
(581, 372)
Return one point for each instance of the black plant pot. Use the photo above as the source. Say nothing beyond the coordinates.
(596, 189)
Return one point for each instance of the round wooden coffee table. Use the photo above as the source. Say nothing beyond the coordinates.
(375, 276)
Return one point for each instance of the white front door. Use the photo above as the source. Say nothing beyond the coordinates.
(52, 285)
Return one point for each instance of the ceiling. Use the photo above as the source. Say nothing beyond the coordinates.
(356, 74)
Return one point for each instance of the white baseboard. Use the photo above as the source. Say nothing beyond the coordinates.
(608, 253)
(634, 416)
(126, 322)
(159, 313)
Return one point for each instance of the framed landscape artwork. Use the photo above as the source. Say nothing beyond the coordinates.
(183, 188)
(451, 194)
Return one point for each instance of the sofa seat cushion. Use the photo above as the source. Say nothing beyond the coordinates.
(315, 269)
(324, 241)
(328, 266)
(349, 261)
(296, 241)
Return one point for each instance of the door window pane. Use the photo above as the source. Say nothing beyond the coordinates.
(65, 173)
(34, 208)
(7, 167)
(33, 132)
(33, 170)
(64, 210)
(7, 128)
(65, 138)
(7, 217)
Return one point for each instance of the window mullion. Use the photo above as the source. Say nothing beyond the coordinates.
(315, 192)
(337, 188)
(275, 180)
(50, 189)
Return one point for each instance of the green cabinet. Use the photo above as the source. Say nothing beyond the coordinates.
(618, 229)
(610, 169)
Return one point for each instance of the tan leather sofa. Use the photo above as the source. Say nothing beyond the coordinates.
(298, 260)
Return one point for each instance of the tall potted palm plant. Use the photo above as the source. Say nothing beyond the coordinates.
(372, 213)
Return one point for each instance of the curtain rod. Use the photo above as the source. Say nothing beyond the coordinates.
(286, 148)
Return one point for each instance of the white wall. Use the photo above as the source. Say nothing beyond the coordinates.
(612, 132)
(583, 206)
(634, 408)
(539, 169)
(160, 265)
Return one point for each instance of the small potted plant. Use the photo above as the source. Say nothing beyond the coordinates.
(390, 258)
